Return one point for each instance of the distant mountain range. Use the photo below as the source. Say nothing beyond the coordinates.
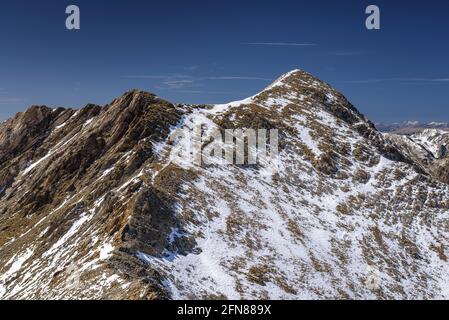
(411, 127)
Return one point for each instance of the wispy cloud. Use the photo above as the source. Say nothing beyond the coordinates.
(172, 81)
(290, 44)
(146, 77)
(344, 53)
(192, 91)
(238, 78)
(191, 68)
(429, 80)
(7, 98)
(180, 81)
(10, 100)
(207, 92)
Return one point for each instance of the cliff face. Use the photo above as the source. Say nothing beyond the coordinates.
(93, 204)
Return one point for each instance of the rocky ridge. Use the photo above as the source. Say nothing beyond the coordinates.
(93, 205)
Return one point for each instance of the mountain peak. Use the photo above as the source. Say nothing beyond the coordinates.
(292, 73)
(136, 94)
(286, 78)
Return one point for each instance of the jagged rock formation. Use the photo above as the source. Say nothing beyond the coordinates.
(93, 205)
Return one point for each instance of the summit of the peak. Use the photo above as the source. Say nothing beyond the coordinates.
(135, 93)
(295, 75)
(135, 96)
(291, 72)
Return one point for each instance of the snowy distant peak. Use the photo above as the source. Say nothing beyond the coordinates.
(411, 127)
(438, 124)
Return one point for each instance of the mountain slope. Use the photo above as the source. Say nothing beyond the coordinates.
(94, 205)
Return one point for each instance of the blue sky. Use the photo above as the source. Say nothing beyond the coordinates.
(218, 51)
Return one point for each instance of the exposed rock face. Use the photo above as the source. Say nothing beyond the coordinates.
(59, 183)
(93, 205)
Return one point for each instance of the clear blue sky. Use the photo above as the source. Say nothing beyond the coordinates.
(203, 52)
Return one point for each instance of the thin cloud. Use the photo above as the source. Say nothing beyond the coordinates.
(431, 80)
(174, 81)
(206, 92)
(5, 97)
(10, 100)
(191, 91)
(191, 68)
(344, 53)
(238, 78)
(147, 77)
(170, 77)
(287, 44)
(179, 81)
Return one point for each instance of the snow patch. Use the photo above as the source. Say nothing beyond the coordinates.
(106, 251)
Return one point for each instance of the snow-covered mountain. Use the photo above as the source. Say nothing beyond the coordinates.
(94, 206)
